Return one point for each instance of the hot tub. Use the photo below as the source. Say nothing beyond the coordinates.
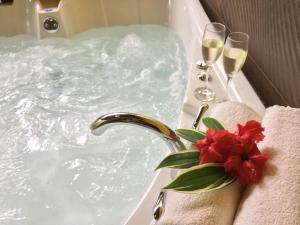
(67, 18)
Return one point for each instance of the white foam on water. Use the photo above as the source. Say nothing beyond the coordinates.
(52, 170)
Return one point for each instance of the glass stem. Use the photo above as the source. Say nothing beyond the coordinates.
(207, 76)
(227, 87)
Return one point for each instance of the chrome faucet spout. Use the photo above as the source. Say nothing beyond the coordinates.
(99, 126)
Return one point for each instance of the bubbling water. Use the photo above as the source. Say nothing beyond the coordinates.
(52, 170)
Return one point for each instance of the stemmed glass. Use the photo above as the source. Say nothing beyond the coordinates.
(234, 54)
(212, 46)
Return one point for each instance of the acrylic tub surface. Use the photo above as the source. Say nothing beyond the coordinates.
(186, 17)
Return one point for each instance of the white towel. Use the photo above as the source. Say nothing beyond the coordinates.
(215, 207)
(276, 200)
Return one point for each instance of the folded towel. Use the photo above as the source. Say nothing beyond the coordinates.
(276, 200)
(215, 207)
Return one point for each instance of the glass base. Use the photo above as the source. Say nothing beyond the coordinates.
(204, 94)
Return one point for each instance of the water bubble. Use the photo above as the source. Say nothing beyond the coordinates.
(52, 170)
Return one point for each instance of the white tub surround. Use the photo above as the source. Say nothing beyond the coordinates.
(186, 17)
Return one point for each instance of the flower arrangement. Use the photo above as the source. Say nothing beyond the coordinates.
(217, 157)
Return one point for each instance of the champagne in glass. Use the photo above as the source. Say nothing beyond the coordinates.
(211, 50)
(212, 46)
(233, 60)
(234, 54)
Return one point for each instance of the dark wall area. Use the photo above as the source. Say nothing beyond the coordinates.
(273, 63)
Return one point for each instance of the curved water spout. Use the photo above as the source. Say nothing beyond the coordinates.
(99, 126)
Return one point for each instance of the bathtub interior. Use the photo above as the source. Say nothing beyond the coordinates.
(186, 17)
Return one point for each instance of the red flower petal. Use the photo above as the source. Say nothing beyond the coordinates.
(209, 155)
(232, 164)
(259, 161)
(251, 130)
(247, 173)
(252, 170)
(246, 146)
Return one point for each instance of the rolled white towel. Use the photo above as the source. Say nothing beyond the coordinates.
(276, 200)
(215, 207)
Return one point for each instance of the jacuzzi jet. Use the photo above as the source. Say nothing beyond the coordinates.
(51, 25)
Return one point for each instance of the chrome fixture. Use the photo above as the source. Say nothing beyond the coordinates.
(99, 126)
(203, 108)
(51, 25)
(159, 206)
(201, 65)
(203, 71)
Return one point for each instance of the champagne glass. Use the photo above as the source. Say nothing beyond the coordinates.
(234, 54)
(212, 46)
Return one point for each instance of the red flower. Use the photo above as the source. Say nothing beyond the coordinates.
(238, 151)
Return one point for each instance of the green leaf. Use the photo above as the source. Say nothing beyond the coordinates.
(212, 123)
(181, 160)
(201, 178)
(190, 135)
